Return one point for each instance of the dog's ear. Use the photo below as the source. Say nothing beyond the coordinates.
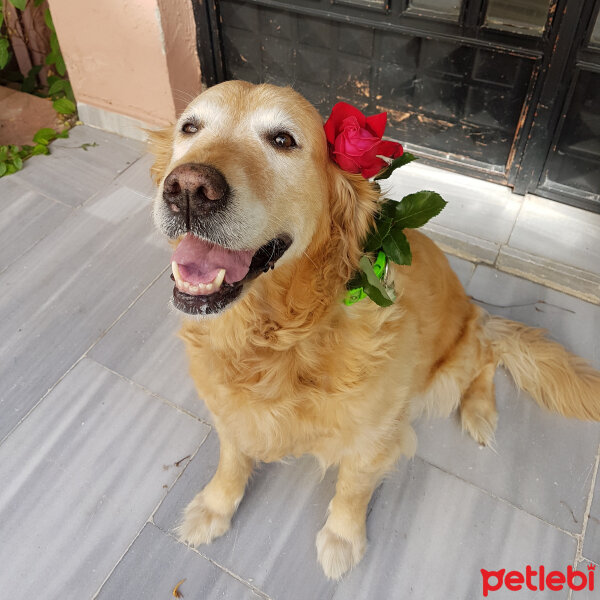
(353, 205)
(160, 143)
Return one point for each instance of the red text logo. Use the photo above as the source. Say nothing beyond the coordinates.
(537, 580)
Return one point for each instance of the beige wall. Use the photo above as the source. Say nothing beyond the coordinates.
(131, 57)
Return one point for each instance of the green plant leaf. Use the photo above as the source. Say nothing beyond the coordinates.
(44, 136)
(18, 162)
(3, 153)
(416, 209)
(30, 82)
(60, 66)
(37, 2)
(40, 149)
(395, 164)
(69, 91)
(57, 86)
(20, 4)
(3, 169)
(64, 106)
(5, 53)
(48, 20)
(397, 248)
(373, 286)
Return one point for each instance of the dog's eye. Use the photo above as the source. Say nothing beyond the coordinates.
(189, 127)
(283, 140)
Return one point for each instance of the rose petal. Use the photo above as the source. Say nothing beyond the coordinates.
(376, 123)
(339, 112)
(346, 162)
(390, 149)
(373, 169)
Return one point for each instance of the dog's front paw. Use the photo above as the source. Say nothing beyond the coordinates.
(338, 554)
(201, 524)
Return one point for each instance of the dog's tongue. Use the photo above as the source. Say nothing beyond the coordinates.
(200, 261)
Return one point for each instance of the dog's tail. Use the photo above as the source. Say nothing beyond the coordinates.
(557, 379)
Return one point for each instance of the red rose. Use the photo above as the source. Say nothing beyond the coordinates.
(355, 140)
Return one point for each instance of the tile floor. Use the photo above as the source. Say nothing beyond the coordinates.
(103, 441)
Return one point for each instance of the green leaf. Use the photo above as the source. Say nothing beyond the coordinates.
(58, 85)
(395, 164)
(3, 153)
(48, 20)
(63, 134)
(20, 4)
(30, 82)
(37, 2)
(373, 286)
(416, 209)
(69, 91)
(10, 169)
(40, 149)
(44, 136)
(397, 248)
(3, 169)
(50, 59)
(60, 66)
(64, 106)
(18, 162)
(4, 52)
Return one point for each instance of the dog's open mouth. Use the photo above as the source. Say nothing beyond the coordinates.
(208, 277)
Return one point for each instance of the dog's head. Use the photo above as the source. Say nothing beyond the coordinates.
(245, 183)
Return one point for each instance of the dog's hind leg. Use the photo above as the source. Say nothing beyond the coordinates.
(342, 541)
(478, 407)
(208, 515)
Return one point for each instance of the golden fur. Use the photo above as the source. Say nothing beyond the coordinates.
(289, 369)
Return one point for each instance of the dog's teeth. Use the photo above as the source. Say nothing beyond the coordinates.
(199, 288)
(219, 279)
(175, 269)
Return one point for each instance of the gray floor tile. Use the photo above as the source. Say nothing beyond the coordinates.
(591, 544)
(156, 563)
(573, 322)
(72, 173)
(559, 232)
(463, 268)
(476, 208)
(430, 534)
(543, 462)
(272, 539)
(144, 347)
(81, 475)
(25, 218)
(67, 290)
(137, 177)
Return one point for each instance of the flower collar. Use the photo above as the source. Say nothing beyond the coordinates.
(356, 145)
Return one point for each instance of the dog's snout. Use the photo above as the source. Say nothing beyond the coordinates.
(194, 189)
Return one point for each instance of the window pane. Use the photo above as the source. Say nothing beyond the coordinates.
(576, 161)
(517, 16)
(445, 8)
(595, 39)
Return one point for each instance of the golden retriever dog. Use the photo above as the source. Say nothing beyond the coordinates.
(267, 230)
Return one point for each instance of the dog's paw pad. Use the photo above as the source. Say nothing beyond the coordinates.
(337, 555)
(201, 524)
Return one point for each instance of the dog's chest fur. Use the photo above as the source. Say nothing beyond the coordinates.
(279, 392)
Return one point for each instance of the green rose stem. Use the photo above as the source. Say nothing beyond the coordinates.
(387, 241)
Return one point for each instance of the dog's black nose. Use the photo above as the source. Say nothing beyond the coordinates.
(195, 190)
